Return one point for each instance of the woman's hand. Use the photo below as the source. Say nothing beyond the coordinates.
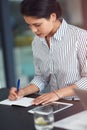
(45, 98)
(13, 94)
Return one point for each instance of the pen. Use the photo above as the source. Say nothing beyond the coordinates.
(18, 85)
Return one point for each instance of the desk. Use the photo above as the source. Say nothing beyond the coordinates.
(17, 118)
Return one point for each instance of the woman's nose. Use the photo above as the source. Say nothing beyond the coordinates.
(34, 29)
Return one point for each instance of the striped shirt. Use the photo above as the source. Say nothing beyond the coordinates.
(65, 62)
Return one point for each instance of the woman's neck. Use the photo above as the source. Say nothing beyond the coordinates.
(55, 28)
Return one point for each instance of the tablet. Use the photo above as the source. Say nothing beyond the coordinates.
(57, 106)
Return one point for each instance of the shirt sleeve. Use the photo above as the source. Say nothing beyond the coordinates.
(82, 57)
(39, 82)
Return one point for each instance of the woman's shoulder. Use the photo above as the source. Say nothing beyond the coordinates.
(78, 30)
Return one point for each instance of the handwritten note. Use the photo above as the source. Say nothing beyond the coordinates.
(25, 102)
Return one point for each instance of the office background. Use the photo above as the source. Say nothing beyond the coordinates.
(16, 60)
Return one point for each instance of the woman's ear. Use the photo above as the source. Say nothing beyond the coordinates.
(53, 17)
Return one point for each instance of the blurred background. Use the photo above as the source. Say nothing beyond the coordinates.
(16, 59)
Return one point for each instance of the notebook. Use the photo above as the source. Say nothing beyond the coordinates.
(24, 102)
(82, 94)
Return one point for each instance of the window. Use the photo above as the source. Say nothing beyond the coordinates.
(22, 45)
(2, 74)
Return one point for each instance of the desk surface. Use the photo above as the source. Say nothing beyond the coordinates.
(17, 118)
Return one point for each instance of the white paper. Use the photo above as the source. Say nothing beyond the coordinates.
(76, 122)
(25, 102)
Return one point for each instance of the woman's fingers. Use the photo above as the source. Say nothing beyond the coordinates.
(12, 94)
(12, 97)
(45, 98)
(39, 100)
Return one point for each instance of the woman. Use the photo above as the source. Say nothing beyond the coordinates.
(59, 51)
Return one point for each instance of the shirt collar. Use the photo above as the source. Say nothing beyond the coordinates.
(60, 32)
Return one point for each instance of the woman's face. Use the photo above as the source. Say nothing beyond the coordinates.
(41, 27)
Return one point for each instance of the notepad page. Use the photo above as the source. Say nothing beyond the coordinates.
(25, 102)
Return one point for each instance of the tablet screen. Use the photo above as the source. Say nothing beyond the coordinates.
(57, 106)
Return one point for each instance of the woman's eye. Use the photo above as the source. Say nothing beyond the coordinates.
(37, 25)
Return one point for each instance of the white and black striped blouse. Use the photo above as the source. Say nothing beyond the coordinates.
(65, 62)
